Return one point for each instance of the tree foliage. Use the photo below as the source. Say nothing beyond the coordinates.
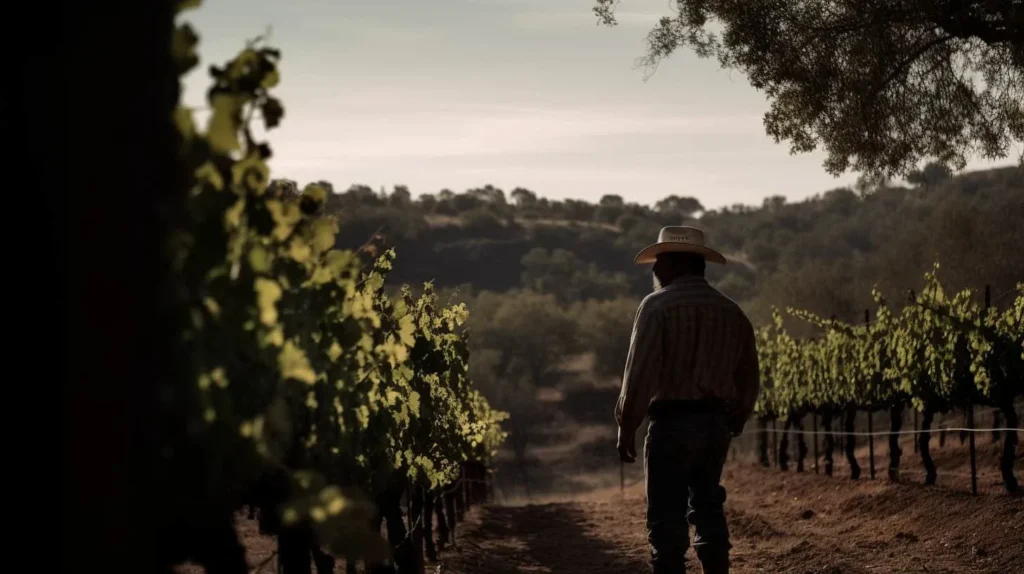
(531, 330)
(881, 86)
(605, 327)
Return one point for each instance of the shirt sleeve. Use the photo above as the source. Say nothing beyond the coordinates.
(747, 377)
(643, 367)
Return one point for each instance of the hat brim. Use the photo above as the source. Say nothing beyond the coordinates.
(650, 253)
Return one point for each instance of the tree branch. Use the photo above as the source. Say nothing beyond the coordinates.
(902, 67)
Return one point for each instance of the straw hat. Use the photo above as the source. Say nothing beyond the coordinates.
(679, 239)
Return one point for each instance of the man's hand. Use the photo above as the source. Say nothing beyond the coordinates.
(626, 445)
(736, 424)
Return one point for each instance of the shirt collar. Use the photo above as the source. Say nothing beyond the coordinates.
(689, 280)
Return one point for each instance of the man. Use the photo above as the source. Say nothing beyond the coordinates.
(692, 370)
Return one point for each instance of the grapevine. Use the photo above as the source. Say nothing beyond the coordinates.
(936, 353)
(305, 390)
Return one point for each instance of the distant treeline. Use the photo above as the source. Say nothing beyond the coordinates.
(822, 253)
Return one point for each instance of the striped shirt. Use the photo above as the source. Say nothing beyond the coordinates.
(689, 342)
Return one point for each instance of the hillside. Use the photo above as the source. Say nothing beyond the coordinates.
(824, 253)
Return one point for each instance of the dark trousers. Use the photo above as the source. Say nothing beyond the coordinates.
(685, 450)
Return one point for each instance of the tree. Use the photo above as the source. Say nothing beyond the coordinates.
(605, 328)
(514, 395)
(773, 203)
(684, 207)
(328, 186)
(532, 332)
(362, 195)
(562, 274)
(523, 197)
(550, 272)
(427, 202)
(400, 196)
(610, 208)
(488, 194)
(930, 175)
(880, 86)
(611, 201)
(868, 184)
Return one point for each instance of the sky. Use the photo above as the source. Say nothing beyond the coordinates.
(458, 94)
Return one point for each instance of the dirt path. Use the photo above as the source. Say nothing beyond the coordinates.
(780, 523)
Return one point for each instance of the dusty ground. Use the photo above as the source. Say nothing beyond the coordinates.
(781, 523)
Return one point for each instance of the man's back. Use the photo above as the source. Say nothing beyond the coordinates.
(689, 342)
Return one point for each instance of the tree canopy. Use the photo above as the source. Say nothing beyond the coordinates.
(823, 253)
(880, 85)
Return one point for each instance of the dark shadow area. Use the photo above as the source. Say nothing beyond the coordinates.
(592, 464)
(554, 538)
(546, 479)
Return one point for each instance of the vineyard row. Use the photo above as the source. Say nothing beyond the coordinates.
(307, 389)
(935, 354)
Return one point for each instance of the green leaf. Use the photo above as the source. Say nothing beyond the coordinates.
(183, 5)
(225, 122)
(272, 112)
(183, 48)
(407, 331)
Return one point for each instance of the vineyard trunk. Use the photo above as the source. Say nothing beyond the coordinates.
(915, 431)
(829, 441)
(942, 431)
(801, 443)
(895, 424)
(375, 526)
(851, 443)
(1006, 462)
(450, 514)
(479, 482)
(974, 454)
(460, 495)
(442, 521)
(323, 561)
(293, 551)
(968, 423)
(429, 504)
(762, 443)
(775, 443)
(871, 444)
(783, 454)
(995, 425)
(923, 446)
(416, 519)
(391, 508)
(814, 424)
(217, 548)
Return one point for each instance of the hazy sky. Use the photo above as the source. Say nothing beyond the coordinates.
(530, 93)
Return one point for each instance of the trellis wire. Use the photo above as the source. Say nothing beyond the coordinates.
(888, 433)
